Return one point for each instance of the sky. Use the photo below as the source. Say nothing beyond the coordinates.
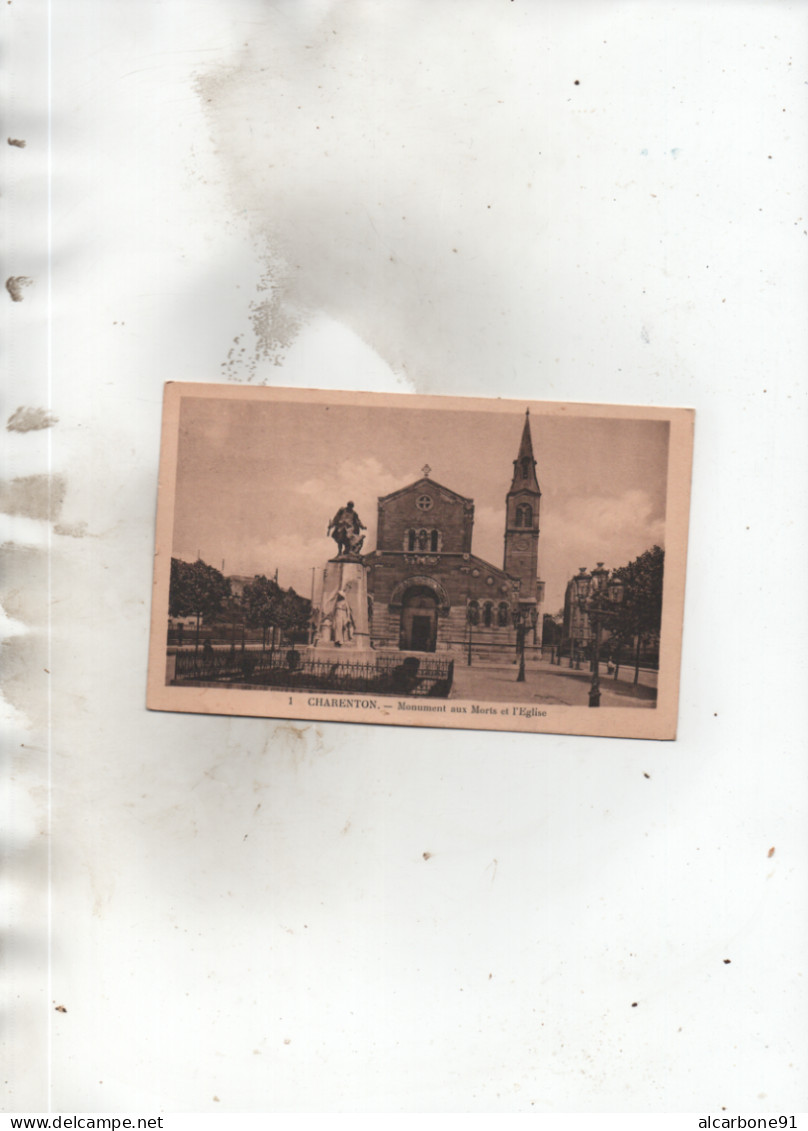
(257, 481)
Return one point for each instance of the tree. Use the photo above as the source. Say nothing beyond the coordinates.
(196, 590)
(640, 611)
(262, 599)
(294, 612)
(268, 606)
(551, 630)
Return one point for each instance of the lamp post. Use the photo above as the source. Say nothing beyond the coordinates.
(524, 618)
(582, 582)
(598, 597)
(471, 619)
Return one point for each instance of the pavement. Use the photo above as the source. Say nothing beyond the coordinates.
(495, 681)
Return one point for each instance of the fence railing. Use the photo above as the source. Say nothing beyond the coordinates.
(389, 675)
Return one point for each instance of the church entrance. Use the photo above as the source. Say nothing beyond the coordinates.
(419, 621)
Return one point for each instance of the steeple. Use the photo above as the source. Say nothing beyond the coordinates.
(524, 466)
(522, 519)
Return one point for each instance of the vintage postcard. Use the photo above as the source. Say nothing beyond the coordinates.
(420, 561)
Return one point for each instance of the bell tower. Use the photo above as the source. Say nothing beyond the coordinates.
(522, 519)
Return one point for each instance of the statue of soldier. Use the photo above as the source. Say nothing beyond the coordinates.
(345, 528)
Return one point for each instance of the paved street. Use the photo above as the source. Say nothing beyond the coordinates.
(494, 681)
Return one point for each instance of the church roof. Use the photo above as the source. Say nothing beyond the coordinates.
(423, 484)
(522, 482)
(488, 567)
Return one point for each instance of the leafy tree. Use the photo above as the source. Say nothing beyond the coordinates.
(640, 612)
(196, 590)
(551, 630)
(294, 612)
(262, 599)
(268, 606)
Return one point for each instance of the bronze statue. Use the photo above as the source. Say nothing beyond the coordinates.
(345, 528)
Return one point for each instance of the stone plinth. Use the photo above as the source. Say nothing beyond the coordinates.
(331, 654)
(343, 607)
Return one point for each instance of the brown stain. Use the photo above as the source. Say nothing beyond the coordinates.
(289, 730)
(24, 571)
(427, 855)
(34, 496)
(770, 853)
(71, 529)
(15, 284)
(274, 324)
(727, 961)
(18, 141)
(61, 1009)
(25, 419)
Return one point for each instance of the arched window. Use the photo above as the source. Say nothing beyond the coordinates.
(502, 614)
(423, 539)
(433, 541)
(524, 515)
(525, 466)
(488, 614)
(474, 612)
(410, 539)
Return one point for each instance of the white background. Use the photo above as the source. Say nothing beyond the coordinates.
(238, 915)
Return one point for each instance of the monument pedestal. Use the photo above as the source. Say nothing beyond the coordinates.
(343, 608)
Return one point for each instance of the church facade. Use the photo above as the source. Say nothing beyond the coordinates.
(429, 591)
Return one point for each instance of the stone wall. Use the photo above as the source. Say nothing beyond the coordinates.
(450, 515)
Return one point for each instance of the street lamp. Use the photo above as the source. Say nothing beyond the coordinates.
(598, 599)
(524, 618)
(582, 582)
(472, 616)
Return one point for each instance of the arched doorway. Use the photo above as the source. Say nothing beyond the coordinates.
(419, 620)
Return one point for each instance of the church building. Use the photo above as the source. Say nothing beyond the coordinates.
(429, 591)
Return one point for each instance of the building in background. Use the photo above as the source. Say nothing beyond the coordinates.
(237, 583)
(428, 589)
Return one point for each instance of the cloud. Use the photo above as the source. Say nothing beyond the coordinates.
(361, 480)
(301, 543)
(489, 531)
(586, 529)
(575, 531)
(293, 555)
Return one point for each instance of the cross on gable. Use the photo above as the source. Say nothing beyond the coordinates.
(425, 470)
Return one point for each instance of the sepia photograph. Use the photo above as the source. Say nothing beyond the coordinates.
(424, 561)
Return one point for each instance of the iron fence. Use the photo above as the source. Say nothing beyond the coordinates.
(392, 675)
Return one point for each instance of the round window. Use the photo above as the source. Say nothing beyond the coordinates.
(424, 503)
